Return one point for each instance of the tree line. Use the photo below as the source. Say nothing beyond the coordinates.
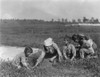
(91, 20)
(83, 20)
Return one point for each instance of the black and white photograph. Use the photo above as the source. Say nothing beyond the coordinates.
(49, 38)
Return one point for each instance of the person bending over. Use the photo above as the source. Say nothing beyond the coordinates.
(87, 48)
(69, 51)
(20, 60)
(51, 51)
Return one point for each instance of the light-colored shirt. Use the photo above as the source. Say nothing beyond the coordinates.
(88, 44)
(70, 48)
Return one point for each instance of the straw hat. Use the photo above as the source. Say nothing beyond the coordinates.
(48, 42)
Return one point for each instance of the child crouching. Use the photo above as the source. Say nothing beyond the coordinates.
(20, 60)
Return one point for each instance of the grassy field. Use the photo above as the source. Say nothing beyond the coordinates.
(22, 33)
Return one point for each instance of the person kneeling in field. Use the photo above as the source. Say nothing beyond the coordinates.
(79, 39)
(51, 51)
(69, 50)
(87, 48)
(20, 60)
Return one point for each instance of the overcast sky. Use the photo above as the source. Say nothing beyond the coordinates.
(48, 9)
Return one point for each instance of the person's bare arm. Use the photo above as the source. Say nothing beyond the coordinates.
(39, 60)
(73, 51)
(58, 50)
(25, 63)
(64, 53)
(52, 59)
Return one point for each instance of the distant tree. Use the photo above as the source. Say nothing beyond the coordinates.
(92, 20)
(85, 20)
(66, 20)
(96, 21)
(52, 20)
(73, 21)
(62, 19)
(79, 20)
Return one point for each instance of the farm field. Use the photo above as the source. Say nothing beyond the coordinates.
(26, 32)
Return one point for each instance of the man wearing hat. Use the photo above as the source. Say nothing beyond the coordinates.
(52, 50)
